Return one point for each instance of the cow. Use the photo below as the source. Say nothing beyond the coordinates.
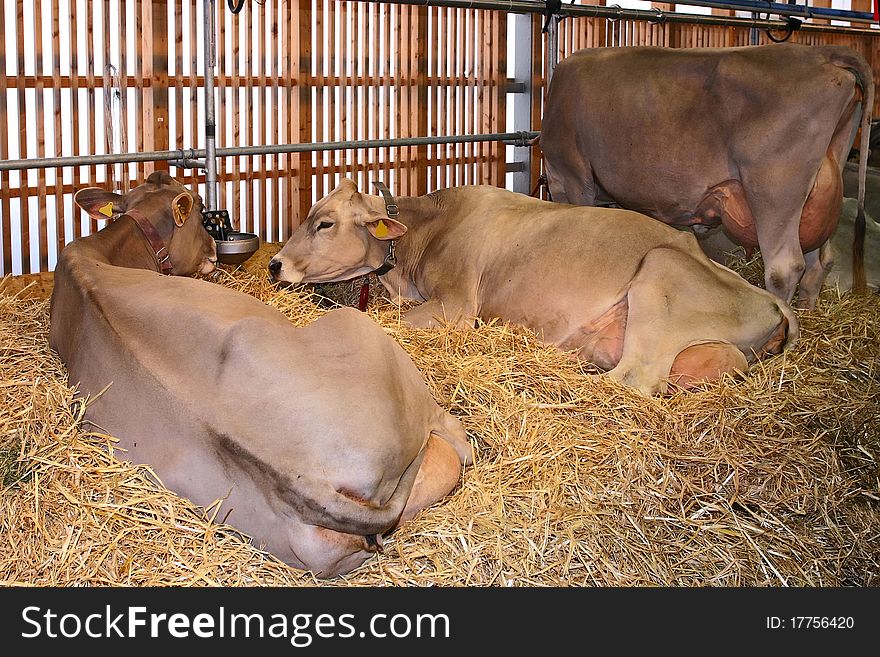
(319, 440)
(631, 295)
(751, 138)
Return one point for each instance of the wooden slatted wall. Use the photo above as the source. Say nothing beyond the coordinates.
(111, 76)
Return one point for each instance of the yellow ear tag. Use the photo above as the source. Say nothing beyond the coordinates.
(381, 229)
(107, 210)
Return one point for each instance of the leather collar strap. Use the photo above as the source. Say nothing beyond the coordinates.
(392, 211)
(156, 242)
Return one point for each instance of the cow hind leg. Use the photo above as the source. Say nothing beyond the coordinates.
(438, 475)
(684, 314)
(818, 263)
(818, 220)
(707, 362)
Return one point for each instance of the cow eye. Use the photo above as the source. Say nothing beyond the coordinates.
(323, 225)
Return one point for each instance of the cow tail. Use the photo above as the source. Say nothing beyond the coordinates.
(865, 78)
(793, 330)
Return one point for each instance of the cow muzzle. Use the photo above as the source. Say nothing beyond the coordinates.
(279, 272)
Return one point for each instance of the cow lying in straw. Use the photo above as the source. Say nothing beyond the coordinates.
(321, 439)
(630, 294)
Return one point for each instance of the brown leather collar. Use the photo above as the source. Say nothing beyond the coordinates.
(392, 211)
(156, 242)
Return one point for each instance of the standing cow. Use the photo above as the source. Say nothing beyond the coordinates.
(615, 287)
(752, 138)
(319, 439)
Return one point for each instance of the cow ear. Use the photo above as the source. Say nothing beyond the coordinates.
(99, 203)
(384, 228)
(181, 207)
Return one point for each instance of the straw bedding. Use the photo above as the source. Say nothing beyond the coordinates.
(773, 480)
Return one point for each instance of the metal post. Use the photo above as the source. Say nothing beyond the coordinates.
(552, 47)
(522, 100)
(210, 126)
(754, 33)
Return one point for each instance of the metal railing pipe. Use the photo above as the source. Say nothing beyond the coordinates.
(210, 126)
(521, 138)
(604, 11)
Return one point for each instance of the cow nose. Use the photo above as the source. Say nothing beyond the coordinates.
(274, 267)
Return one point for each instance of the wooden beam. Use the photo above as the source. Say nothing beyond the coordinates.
(159, 77)
(5, 208)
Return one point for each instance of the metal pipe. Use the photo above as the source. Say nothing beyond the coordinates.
(521, 138)
(780, 9)
(210, 126)
(188, 164)
(552, 46)
(599, 11)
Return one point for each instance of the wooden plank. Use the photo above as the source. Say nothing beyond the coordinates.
(500, 97)
(146, 58)
(373, 70)
(319, 89)
(537, 95)
(405, 118)
(302, 117)
(236, 210)
(40, 120)
(866, 6)
(59, 127)
(122, 78)
(483, 68)
(420, 97)
(249, 218)
(436, 179)
(91, 115)
(106, 94)
(455, 64)
(139, 10)
(407, 109)
(24, 210)
(826, 4)
(159, 79)
(196, 48)
(263, 227)
(469, 90)
(331, 159)
(285, 128)
(386, 101)
(179, 140)
(221, 82)
(275, 96)
(343, 124)
(75, 114)
(353, 96)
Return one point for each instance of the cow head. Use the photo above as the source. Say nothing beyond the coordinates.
(174, 211)
(345, 235)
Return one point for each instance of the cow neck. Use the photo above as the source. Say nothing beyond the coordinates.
(157, 244)
(392, 210)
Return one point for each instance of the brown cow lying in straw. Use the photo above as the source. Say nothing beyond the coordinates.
(320, 439)
(627, 293)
